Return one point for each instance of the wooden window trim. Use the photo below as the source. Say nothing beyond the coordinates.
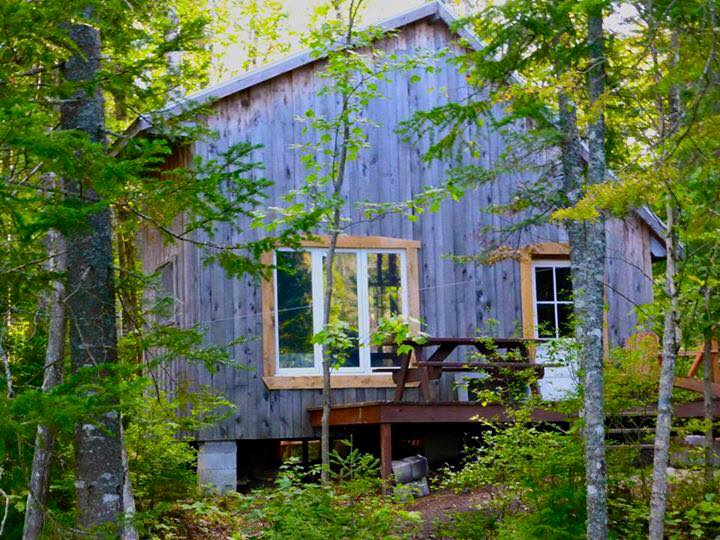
(360, 380)
(526, 256)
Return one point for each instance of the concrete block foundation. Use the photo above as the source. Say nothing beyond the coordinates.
(217, 465)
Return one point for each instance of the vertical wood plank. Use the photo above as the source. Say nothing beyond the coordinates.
(385, 453)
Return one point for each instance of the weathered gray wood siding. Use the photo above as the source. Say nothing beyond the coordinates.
(456, 299)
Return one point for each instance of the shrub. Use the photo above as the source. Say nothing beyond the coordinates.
(349, 508)
(535, 476)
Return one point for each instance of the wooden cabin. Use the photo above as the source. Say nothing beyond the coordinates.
(389, 265)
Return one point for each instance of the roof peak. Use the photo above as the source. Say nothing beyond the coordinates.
(289, 63)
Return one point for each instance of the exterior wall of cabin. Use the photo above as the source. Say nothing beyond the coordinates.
(456, 299)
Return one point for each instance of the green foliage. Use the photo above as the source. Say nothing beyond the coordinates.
(160, 458)
(637, 363)
(338, 340)
(397, 330)
(358, 473)
(699, 517)
(535, 476)
(263, 31)
(533, 473)
(469, 525)
(296, 509)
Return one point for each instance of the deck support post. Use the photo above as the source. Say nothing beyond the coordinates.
(385, 454)
(305, 454)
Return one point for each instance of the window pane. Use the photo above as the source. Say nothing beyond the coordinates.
(563, 283)
(544, 283)
(166, 301)
(546, 320)
(385, 300)
(294, 305)
(565, 320)
(344, 306)
(167, 279)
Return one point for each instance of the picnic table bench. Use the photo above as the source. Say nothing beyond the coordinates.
(490, 349)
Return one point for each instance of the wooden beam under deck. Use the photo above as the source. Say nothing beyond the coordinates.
(385, 414)
(392, 412)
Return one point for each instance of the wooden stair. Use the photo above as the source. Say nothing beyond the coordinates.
(696, 385)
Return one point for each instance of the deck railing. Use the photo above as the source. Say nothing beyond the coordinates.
(428, 360)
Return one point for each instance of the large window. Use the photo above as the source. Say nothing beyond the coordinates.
(368, 285)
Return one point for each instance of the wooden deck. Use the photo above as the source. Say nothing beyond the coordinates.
(386, 414)
(400, 412)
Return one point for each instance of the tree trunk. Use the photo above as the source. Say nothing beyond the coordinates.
(327, 388)
(52, 376)
(327, 301)
(588, 262)
(671, 344)
(10, 392)
(130, 321)
(128, 293)
(91, 298)
(671, 331)
(128, 504)
(709, 441)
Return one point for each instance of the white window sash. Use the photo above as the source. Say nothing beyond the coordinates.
(547, 263)
(363, 307)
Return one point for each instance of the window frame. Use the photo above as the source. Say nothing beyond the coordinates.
(317, 268)
(548, 263)
(546, 251)
(365, 375)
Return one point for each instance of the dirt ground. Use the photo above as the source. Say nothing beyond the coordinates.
(439, 507)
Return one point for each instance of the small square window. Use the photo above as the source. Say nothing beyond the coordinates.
(166, 294)
(544, 284)
(564, 284)
(546, 323)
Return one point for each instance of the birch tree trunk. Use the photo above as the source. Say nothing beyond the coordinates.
(45, 436)
(588, 261)
(128, 498)
(91, 297)
(671, 345)
(671, 328)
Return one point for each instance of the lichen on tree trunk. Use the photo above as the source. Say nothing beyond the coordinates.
(90, 300)
(587, 255)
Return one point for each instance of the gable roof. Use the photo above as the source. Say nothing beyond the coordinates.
(288, 64)
(436, 9)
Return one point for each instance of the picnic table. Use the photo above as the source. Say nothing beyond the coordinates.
(496, 355)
